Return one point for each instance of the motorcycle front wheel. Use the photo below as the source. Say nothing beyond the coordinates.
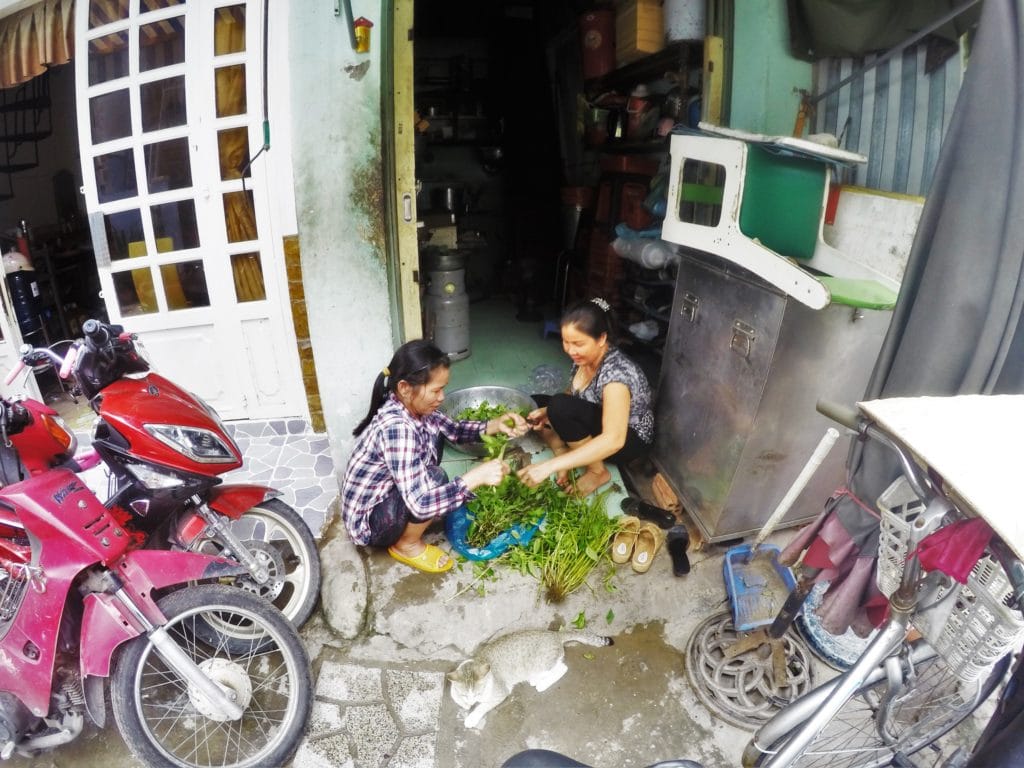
(280, 539)
(166, 723)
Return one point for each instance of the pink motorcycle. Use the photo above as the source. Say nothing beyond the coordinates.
(200, 675)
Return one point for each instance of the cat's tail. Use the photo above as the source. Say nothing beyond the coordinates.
(586, 638)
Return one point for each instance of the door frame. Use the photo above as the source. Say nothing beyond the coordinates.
(398, 123)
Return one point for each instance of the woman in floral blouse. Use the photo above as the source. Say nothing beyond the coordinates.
(607, 413)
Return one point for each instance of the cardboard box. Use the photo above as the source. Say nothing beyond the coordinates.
(639, 29)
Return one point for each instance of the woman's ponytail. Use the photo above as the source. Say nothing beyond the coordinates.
(413, 362)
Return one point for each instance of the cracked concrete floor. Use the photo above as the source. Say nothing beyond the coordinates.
(382, 701)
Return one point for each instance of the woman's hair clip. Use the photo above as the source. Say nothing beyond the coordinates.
(603, 305)
(386, 371)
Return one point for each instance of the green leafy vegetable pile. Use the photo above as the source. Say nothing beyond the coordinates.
(572, 541)
(498, 508)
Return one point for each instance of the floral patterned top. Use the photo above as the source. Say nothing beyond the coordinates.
(616, 367)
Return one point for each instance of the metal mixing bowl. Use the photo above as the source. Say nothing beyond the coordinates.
(458, 401)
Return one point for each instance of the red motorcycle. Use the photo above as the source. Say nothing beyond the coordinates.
(165, 449)
(79, 604)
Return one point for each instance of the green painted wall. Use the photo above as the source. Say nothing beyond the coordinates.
(765, 78)
(335, 126)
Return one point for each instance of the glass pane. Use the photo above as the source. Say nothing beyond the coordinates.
(229, 30)
(163, 103)
(185, 285)
(124, 234)
(161, 43)
(233, 145)
(115, 176)
(248, 272)
(174, 226)
(700, 194)
(230, 90)
(105, 11)
(110, 116)
(155, 5)
(239, 216)
(108, 58)
(135, 293)
(167, 165)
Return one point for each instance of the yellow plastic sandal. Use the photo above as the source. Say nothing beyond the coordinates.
(431, 560)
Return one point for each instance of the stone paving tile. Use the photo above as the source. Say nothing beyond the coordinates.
(367, 716)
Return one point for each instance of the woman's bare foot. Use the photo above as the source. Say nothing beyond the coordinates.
(590, 481)
(562, 479)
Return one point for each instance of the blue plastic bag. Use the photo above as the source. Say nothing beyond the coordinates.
(456, 528)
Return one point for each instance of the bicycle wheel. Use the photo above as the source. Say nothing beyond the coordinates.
(934, 701)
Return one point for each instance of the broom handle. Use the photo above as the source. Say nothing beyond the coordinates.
(824, 446)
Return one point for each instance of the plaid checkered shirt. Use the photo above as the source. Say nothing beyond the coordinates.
(395, 450)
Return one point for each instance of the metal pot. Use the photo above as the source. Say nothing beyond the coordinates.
(458, 401)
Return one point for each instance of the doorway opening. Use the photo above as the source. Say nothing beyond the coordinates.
(48, 257)
(527, 164)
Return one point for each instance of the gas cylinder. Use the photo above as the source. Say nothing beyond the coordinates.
(446, 320)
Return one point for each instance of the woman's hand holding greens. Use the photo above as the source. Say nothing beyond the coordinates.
(486, 473)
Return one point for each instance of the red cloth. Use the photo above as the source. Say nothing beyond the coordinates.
(955, 549)
(825, 544)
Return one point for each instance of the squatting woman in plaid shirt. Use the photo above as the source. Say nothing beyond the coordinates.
(393, 488)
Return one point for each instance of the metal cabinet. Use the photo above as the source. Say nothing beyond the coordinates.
(742, 369)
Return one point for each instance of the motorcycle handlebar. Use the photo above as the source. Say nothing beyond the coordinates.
(18, 368)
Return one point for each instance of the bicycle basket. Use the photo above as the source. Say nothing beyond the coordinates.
(973, 628)
(978, 628)
(899, 507)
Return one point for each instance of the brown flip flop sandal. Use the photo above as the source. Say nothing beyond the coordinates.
(624, 539)
(649, 538)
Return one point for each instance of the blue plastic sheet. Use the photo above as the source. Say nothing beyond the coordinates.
(456, 527)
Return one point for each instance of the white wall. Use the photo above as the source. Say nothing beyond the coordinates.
(335, 126)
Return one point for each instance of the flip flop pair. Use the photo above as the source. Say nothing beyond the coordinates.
(431, 560)
(636, 542)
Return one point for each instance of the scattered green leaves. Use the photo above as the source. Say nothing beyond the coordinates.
(580, 621)
(610, 616)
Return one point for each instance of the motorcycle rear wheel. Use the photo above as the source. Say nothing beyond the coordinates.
(277, 534)
(162, 721)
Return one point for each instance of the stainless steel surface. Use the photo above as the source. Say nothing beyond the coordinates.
(461, 399)
(446, 312)
(736, 402)
(443, 259)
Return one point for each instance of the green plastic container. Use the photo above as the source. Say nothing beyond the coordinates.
(782, 202)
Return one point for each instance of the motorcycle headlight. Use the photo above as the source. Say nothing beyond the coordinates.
(198, 444)
(153, 478)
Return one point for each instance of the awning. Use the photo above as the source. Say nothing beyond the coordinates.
(34, 38)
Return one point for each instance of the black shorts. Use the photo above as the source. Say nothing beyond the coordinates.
(390, 517)
(575, 419)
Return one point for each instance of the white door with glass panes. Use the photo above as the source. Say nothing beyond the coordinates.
(171, 104)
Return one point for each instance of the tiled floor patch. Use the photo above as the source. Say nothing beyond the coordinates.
(371, 717)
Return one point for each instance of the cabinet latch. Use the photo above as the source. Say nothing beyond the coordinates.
(742, 338)
(688, 307)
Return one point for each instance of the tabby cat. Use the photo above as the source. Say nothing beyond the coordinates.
(534, 656)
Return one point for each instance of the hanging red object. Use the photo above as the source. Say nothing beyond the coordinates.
(362, 28)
